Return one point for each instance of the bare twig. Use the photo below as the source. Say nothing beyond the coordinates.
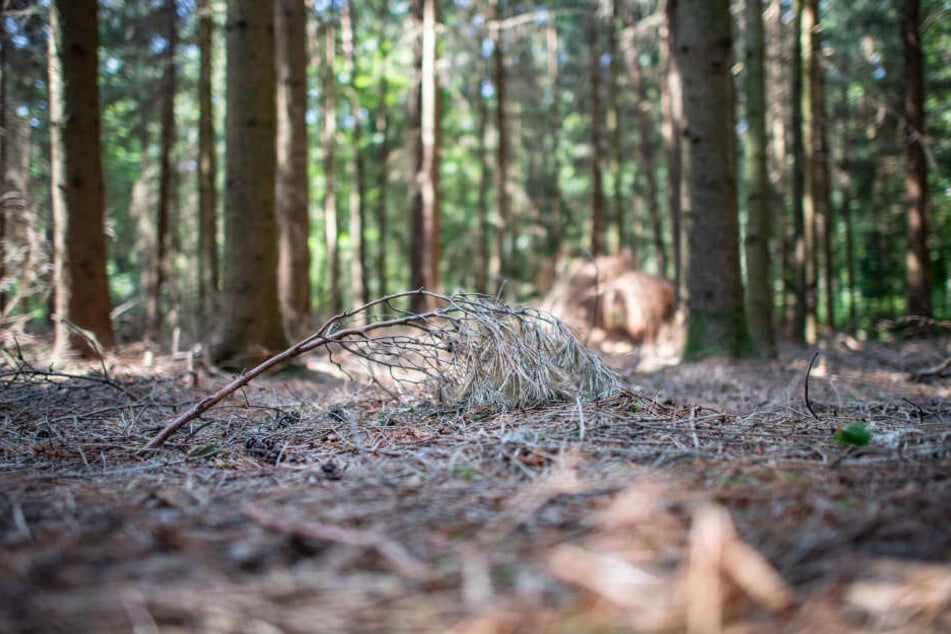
(327, 334)
(805, 386)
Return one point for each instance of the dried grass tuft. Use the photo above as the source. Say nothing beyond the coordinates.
(474, 352)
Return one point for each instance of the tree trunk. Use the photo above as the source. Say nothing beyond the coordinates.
(501, 258)
(293, 191)
(482, 205)
(810, 171)
(671, 96)
(4, 159)
(81, 288)
(845, 210)
(759, 290)
(798, 184)
(777, 60)
(825, 225)
(250, 325)
(382, 180)
(424, 258)
(614, 128)
(327, 142)
(702, 45)
(917, 258)
(207, 172)
(357, 203)
(597, 145)
(166, 178)
(647, 163)
(555, 223)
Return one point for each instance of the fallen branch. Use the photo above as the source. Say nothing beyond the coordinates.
(935, 371)
(326, 335)
(470, 351)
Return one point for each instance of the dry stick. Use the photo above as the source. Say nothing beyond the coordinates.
(325, 336)
(805, 387)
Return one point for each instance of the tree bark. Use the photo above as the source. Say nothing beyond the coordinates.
(166, 195)
(207, 171)
(4, 158)
(812, 196)
(501, 257)
(327, 142)
(646, 182)
(357, 202)
(917, 257)
(81, 288)
(293, 191)
(382, 180)
(555, 222)
(424, 259)
(250, 325)
(702, 45)
(614, 128)
(598, 223)
(759, 291)
(845, 209)
(483, 254)
(671, 96)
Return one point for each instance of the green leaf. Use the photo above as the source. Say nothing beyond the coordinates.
(855, 433)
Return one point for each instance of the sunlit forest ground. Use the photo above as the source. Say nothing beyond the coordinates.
(712, 496)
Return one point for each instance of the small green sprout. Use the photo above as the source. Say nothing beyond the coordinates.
(855, 433)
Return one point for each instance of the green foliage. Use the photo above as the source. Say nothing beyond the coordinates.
(855, 433)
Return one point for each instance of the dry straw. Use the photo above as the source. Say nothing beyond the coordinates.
(475, 352)
(466, 350)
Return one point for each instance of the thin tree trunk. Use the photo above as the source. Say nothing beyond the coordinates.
(250, 325)
(166, 177)
(759, 291)
(812, 162)
(845, 210)
(424, 261)
(292, 189)
(556, 231)
(777, 56)
(671, 96)
(803, 174)
(357, 203)
(614, 128)
(500, 261)
(434, 111)
(647, 162)
(382, 180)
(331, 236)
(207, 172)
(4, 157)
(821, 180)
(702, 44)
(598, 223)
(917, 257)
(482, 206)
(81, 288)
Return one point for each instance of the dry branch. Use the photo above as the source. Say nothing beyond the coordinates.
(470, 351)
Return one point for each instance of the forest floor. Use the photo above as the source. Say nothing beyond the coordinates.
(704, 497)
